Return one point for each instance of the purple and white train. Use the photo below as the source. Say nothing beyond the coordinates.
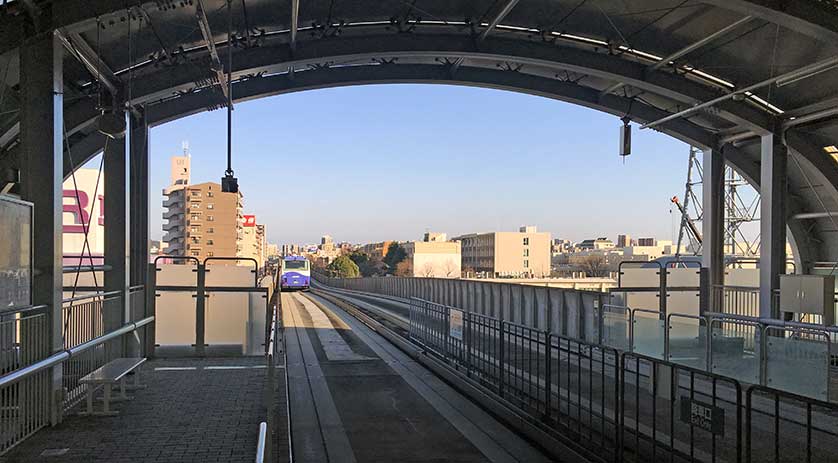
(296, 273)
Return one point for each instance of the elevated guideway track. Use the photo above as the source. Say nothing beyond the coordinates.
(611, 401)
(355, 396)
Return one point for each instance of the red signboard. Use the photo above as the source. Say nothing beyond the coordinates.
(249, 220)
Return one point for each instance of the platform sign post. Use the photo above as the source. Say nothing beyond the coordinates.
(455, 324)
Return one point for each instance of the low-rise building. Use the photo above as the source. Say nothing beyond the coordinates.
(434, 256)
(525, 253)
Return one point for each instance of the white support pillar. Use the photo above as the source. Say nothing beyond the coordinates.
(117, 226)
(712, 248)
(41, 140)
(773, 191)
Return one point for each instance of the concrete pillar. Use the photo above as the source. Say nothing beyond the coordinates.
(41, 179)
(712, 274)
(117, 233)
(773, 190)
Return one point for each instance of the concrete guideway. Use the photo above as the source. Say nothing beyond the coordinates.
(388, 408)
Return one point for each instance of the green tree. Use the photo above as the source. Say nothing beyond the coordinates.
(343, 267)
(395, 254)
(367, 264)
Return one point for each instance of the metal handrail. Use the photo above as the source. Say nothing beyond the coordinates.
(66, 354)
(772, 321)
(90, 296)
(13, 310)
(260, 445)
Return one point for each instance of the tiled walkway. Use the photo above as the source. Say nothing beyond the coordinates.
(193, 410)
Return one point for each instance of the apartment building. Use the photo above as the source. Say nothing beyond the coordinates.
(525, 253)
(376, 249)
(253, 243)
(199, 220)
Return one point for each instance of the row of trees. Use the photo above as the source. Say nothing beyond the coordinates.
(361, 264)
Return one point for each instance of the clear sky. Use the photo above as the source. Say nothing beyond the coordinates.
(369, 163)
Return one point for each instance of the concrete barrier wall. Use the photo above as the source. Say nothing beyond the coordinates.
(563, 311)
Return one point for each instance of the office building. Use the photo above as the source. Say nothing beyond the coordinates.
(647, 242)
(525, 253)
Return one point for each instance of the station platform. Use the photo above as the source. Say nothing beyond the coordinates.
(192, 410)
(356, 397)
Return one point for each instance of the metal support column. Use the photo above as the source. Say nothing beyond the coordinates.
(138, 231)
(41, 179)
(138, 201)
(712, 274)
(772, 222)
(117, 229)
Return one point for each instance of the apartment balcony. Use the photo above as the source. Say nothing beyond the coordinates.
(172, 225)
(173, 236)
(174, 200)
(173, 211)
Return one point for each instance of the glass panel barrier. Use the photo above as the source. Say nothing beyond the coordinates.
(734, 349)
(688, 340)
(616, 327)
(797, 361)
(648, 333)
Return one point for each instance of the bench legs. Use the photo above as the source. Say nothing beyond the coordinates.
(106, 402)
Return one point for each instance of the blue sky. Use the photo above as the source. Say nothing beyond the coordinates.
(369, 163)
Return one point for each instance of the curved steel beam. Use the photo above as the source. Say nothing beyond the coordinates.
(255, 88)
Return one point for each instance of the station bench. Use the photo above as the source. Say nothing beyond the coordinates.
(109, 375)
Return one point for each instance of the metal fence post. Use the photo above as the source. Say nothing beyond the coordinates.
(200, 310)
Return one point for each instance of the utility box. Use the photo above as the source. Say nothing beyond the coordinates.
(809, 294)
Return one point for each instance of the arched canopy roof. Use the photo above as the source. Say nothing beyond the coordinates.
(771, 68)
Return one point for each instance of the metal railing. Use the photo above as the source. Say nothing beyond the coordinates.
(27, 361)
(743, 347)
(615, 405)
(24, 340)
(26, 390)
(85, 318)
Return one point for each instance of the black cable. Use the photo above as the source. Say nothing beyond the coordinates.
(229, 170)
(663, 15)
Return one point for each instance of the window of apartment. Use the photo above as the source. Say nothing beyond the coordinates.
(210, 218)
(209, 242)
(210, 206)
(527, 252)
(193, 229)
(210, 253)
(195, 193)
(526, 263)
(195, 217)
(210, 230)
(210, 194)
(195, 253)
(526, 241)
(195, 205)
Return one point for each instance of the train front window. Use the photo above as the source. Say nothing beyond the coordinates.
(295, 265)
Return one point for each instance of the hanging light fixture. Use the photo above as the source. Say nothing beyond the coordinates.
(229, 183)
(625, 138)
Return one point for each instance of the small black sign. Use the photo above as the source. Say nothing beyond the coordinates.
(703, 416)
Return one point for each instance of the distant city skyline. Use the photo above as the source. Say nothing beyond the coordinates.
(335, 161)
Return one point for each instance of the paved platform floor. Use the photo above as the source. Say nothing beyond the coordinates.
(375, 404)
(193, 410)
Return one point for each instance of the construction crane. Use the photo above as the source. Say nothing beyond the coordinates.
(690, 224)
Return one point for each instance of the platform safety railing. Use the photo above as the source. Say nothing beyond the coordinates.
(27, 360)
(626, 406)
